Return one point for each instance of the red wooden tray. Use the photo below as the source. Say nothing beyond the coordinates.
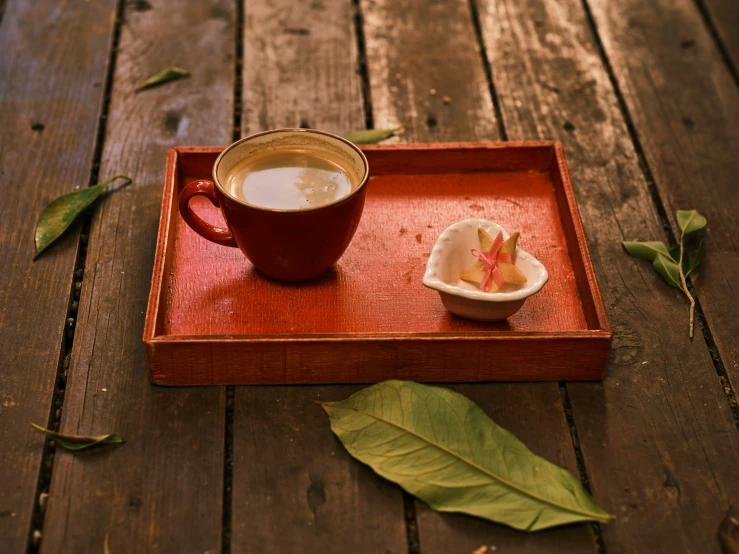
(212, 319)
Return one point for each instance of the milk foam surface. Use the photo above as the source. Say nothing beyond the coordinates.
(290, 180)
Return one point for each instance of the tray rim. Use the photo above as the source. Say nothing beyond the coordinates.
(359, 337)
(593, 286)
(599, 330)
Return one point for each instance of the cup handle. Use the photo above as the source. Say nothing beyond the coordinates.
(219, 235)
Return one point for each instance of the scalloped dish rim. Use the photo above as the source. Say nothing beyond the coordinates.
(435, 283)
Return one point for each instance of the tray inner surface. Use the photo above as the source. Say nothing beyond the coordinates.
(376, 287)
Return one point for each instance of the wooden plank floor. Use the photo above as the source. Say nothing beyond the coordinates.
(48, 127)
(175, 437)
(645, 99)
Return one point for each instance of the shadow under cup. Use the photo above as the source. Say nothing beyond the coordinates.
(288, 245)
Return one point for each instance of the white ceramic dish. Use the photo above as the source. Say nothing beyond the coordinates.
(451, 256)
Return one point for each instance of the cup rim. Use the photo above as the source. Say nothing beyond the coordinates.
(341, 200)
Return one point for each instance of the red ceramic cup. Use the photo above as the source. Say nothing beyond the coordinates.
(289, 245)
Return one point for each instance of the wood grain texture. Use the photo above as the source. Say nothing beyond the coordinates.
(724, 16)
(368, 360)
(294, 488)
(162, 490)
(433, 45)
(425, 67)
(50, 97)
(657, 436)
(685, 107)
(300, 67)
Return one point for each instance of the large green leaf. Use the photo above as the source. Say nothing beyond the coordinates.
(441, 447)
(646, 250)
(78, 442)
(59, 214)
(690, 220)
(668, 269)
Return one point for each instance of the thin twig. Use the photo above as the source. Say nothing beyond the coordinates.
(685, 284)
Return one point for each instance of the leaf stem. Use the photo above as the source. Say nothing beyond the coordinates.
(685, 284)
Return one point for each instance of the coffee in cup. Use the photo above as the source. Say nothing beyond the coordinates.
(291, 179)
(291, 198)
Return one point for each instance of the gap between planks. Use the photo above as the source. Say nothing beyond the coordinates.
(658, 202)
(720, 46)
(488, 69)
(581, 467)
(409, 503)
(228, 471)
(411, 524)
(228, 443)
(57, 402)
(363, 69)
(238, 71)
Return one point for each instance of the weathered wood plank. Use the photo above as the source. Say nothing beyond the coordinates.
(685, 107)
(162, 490)
(724, 16)
(414, 47)
(300, 67)
(657, 435)
(289, 472)
(425, 65)
(50, 97)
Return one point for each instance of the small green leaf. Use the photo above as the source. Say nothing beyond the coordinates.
(60, 213)
(441, 447)
(690, 220)
(668, 269)
(646, 250)
(78, 442)
(372, 136)
(165, 76)
(697, 260)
